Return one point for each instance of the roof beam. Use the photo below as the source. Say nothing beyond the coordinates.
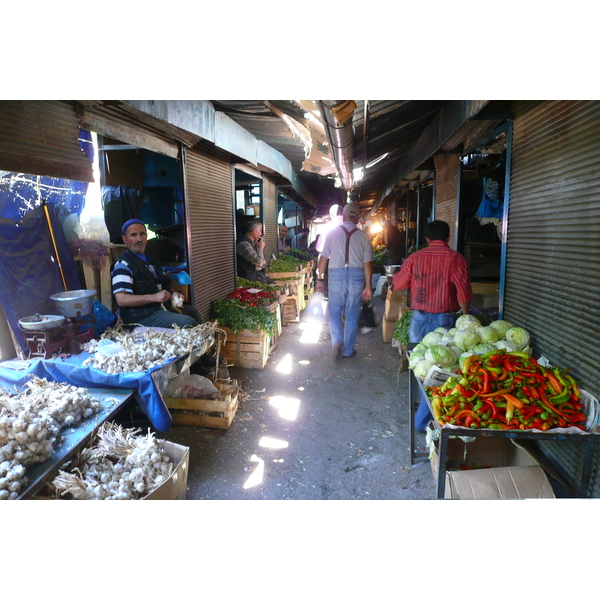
(444, 124)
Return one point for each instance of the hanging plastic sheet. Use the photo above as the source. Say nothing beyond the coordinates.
(29, 272)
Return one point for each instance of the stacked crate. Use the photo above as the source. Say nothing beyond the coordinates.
(293, 284)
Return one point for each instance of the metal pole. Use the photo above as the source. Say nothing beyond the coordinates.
(62, 275)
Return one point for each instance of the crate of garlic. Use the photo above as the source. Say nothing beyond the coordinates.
(145, 348)
(119, 464)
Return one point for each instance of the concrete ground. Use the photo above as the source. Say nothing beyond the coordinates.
(310, 427)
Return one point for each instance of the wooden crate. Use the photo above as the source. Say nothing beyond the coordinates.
(290, 282)
(274, 308)
(206, 412)
(246, 349)
(291, 310)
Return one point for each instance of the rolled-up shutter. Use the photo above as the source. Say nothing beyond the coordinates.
(270, 217)
(41, 137)
(446, 191)
(553, 243)
(209, 199)
(553, 251)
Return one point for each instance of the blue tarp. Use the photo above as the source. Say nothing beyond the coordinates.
(72, 371)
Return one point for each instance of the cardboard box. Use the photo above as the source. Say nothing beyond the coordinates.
(497, 469)
(175, 487)
(387, 328)
(394, 310)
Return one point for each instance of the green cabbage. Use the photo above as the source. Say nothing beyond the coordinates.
(452, 331)
(465, 339)
(518, 336)
(467, 322)
(432, 338)
(501, 327)
(487, 334)
(483, 348)
(441, 330)
(439, 355)
(419, 349)
(446, 340)
(421, 368)
(504, 345)
(413, 360)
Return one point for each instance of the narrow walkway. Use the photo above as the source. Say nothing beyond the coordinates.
(312, 428)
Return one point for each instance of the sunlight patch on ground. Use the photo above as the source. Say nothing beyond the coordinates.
(311, 332)
(257, 476)
(274, 444)
(287, 407)
(285, 365)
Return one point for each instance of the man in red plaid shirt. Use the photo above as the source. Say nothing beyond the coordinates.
(438, 279)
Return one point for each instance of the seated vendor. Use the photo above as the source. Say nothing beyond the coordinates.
(250, 254)
(141, 289)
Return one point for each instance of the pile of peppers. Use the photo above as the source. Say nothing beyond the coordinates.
(252, 298)
(508, 390)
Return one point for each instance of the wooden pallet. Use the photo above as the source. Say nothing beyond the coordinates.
(206, 412)
(246, 349)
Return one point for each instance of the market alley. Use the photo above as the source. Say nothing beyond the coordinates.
(312, 428)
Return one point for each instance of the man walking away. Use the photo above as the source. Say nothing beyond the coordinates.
(438, 279)
(349, 252)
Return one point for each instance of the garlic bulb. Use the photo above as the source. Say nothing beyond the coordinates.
(30, 423)
(119, 466)
(143, 350)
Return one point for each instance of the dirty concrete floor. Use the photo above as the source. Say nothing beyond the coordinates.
(309, 427)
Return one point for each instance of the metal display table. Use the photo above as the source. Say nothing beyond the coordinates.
(75, 438)
(584, 447)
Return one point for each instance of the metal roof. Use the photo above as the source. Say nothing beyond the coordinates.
(389, 130)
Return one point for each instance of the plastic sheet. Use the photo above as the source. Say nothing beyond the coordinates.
(72, 371)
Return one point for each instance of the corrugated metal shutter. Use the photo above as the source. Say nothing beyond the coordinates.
(446, 191)
(41, 137)
(270, 217)
(553, 245)
(209, 201)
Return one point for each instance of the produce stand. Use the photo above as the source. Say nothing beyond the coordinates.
(75, 438)
(584, 446)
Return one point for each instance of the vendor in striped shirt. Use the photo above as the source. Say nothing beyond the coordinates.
(438, 279)
(141, 289)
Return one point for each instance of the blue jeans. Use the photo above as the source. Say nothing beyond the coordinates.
(166, 318)
(345, 299)
(421, 324)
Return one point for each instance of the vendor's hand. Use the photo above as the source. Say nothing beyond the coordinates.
(261, 244)
(367, 294)
(162, 296)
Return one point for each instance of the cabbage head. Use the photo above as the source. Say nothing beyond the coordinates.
(483, 348)
(419, 349)
(501, 327)
(446, 340)
(421, 368)
(439, 355)
(518, 336)
(413, 360)
(504, 345)
(458, 351)
(452, 331)
(465, 339)
(467, 322)
(487, 334)
(432, 338)
(441, 330)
